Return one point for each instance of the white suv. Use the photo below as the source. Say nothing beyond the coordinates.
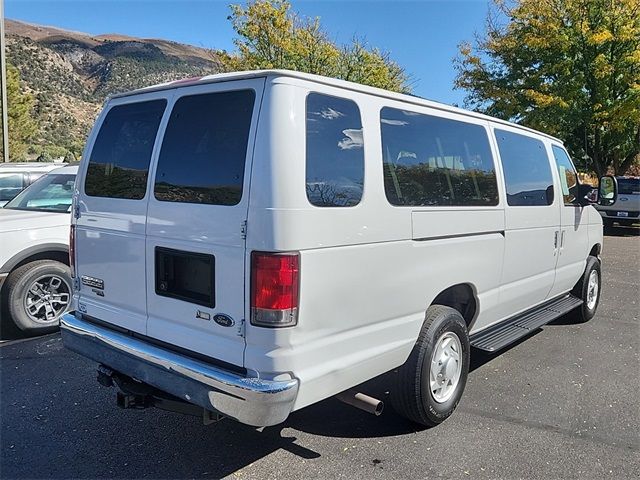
(251, 243)
(35, 281)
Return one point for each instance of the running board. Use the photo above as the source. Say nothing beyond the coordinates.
(504, 333)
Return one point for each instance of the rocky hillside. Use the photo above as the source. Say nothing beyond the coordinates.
(70, 74)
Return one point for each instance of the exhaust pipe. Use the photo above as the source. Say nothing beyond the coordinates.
(361, 401)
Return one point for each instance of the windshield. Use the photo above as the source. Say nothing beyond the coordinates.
(51, 193)
(629, 186)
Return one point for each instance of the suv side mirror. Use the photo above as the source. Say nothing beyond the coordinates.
(607, 190)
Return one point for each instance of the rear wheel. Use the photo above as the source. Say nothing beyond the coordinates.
(428, 387)
(588, 290)
(38, 293)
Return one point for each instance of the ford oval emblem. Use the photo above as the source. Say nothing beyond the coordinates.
(223, 320)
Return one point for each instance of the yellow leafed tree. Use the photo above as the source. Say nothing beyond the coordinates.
(567, 67)
(271, 36)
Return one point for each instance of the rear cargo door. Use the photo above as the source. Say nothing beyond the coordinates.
(113, 192)
(195, 245)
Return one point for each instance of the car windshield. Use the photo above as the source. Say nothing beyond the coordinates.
(629, 186)
(50, 193)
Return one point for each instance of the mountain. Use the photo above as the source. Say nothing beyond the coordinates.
(70, 74)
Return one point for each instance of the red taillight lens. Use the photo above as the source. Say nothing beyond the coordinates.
(275, 280)
(72, 250)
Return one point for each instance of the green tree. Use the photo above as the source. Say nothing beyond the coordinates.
(567, 67)
(21, 124)
(271, 36)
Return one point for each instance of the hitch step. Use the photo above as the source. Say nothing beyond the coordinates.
(498, 336)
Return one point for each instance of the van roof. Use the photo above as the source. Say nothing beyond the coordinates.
(334, 82)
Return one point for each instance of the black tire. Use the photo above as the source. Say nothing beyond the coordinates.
(411, 395)
(581, 290)
(17, 288)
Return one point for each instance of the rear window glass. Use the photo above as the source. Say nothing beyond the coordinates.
(335, 153)
(10, 185)
(434, 161)
(629, 186)
(527, 170)
(204, 150)
(119, 160)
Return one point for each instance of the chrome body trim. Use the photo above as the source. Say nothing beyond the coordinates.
(252, 401)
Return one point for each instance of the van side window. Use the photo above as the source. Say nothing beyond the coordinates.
(434, 161)
(204, 150)
(119, 161)
(568, 175)
(335, 152)
(527, 170)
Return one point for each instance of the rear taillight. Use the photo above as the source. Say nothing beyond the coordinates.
(275, 284)
(72, 250)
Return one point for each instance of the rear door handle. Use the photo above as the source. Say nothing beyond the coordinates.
(555, 239)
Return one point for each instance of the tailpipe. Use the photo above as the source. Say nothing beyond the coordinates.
(361, 401)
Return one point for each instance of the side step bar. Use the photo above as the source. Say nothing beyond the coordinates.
(498, 336)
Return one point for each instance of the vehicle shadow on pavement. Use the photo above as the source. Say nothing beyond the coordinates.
(620, 231)
(8, 329)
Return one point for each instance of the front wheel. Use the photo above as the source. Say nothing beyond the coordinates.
(428, 387)
(38, 293)
(588, 290)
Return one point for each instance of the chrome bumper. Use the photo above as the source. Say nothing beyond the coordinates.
(248, 400)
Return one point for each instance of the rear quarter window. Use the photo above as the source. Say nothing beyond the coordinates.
(204, 150)
(334, 152)
(119, 160)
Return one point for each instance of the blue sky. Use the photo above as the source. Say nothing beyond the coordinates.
(420, 35)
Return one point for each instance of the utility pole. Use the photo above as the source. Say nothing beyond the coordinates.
(3, 87)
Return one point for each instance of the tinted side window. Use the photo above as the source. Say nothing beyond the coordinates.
(335, 153)
(119, 160)
(204, 149)
(568, 175)
(431, 161)
(527, 171)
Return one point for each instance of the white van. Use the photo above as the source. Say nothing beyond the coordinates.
(251, 243)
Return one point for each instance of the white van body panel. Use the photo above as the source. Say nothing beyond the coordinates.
(368, 272)
(207, 229)
(110, 241)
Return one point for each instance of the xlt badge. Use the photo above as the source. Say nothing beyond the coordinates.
(92, 282)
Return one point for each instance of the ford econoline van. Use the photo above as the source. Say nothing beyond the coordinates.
(248, 244)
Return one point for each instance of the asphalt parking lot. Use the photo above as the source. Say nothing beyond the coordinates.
(564, 403)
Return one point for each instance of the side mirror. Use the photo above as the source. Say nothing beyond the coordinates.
(607, 191)
(587, 195)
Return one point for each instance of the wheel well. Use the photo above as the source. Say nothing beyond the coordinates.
(595, 251)
(57, 255)
(461, 298)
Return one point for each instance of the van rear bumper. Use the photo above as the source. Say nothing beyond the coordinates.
(252, 401)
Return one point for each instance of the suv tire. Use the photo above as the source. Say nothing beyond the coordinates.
(37, 294)
(429, 385)
(588, 289)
